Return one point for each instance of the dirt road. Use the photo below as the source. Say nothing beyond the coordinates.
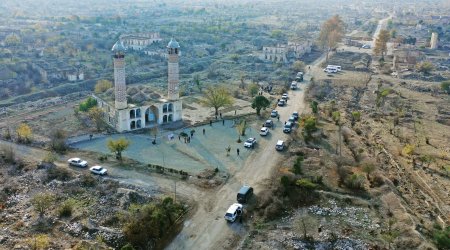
(207, 229)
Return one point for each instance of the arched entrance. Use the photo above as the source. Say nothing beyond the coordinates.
(151, 116)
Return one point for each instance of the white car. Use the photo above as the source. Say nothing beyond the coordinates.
(233, 212)
(77, 162)
(250, 142)
(280, 145)
(284, 96)
(264, 131)
(98, 170)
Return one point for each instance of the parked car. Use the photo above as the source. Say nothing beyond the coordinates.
(287, 127)
(264, 131)
(268, 124)
(98, 170)
(244, 194)
(291, 119)
(77, 162)
(250, 142)
(280, 145)
(233, 212)
(295, 115)
(294, 85)
(366, 46)
(281, 103)
(274, 113)
(285, 96)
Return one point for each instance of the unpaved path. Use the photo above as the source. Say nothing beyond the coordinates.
(207, 229)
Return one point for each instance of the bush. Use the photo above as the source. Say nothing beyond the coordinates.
(355, 181)
(8, 154)
(128, 246)
(298, 165)
(305, 184)
(66, 208)
(41, 202)
(88, 180)
(442, 238)
(59, 174)
(87, 104)
(408, 150)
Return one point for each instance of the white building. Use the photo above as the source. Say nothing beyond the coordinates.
(283, 53)
(128, 117)
(434, 40)
(140, 40)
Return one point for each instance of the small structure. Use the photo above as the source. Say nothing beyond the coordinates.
(151, 110)
(285, 52)
(434, 40)
(406, 58)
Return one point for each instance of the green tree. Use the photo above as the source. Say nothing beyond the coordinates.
(305, 184)
(331, 33)
(58, 140)
(253, 89)
(39, 242)
(87, 104)
(298, 165)
(217, 97)
(102, 86)
(391, 234)
(41, 202)
(118, 146)
(369, 168)
(309, 126)
(425, 67)
(198, 83)
(445, 86)
(442, 238)
(314, 107)
(336, 115)
(381, 43)
(260, 102)
(356, 116)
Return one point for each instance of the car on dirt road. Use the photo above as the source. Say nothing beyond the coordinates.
(233, 212)
(250, 142)
(77, 162)
(295, 115)
(292, 119)
(280, 145)
(98, 170)
(268, 124)
(281, 103)
(274, 114)
(264, 131)
(285, 96)
(287, 127)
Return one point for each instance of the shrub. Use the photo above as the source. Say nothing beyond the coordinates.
(88, 180)
(88, 104)
(408, 150)
(40, 241)
(66, 208)
(445, 86)
(442, 238)
(298, 165)
(355, 181)
(128, 246)
(41, 202)
(60, 174)
(285, 181)
(305, 184)
(8, 154)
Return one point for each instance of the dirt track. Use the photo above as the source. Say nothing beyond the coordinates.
(207, 229)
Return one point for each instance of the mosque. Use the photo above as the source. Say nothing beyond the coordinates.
(154, 109)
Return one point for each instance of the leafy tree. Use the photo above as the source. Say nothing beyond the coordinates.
(355, 181)
(285, 182)
(425, 67)
(39, 242)
(356, 116)
(314, 107)
(253, 89)
(96, 115)
(445, 86)
(102, 86)
(391, 234)
(260, 102)
(298, 165)
(24, 133)
(442, 238)
(241, 128)
(331, 33)
(198, 83)
(408, 150)
(41, 202)
(381, 43)
(88, 104)
(298, 66)
(217, 97)
(309, 126)
(118, 146)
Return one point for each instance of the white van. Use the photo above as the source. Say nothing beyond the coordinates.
(337, 67)
(294, 85)
(233, 212)
(330, 70)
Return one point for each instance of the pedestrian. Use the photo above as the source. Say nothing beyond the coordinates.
(189, 139)
(284, 122)
(235, 112)
(278, 117)
(216, 117)
(179, 137)
(237, 151)
(220, 114)
(223, 122)
(210, 122)
(240, 218)
(90, 136)
(192, 133)
(204, 131)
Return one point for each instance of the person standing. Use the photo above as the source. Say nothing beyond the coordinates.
(204, 131)
(210, 122)
(237, 151)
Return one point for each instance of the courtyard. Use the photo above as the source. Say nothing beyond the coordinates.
(205, 151)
